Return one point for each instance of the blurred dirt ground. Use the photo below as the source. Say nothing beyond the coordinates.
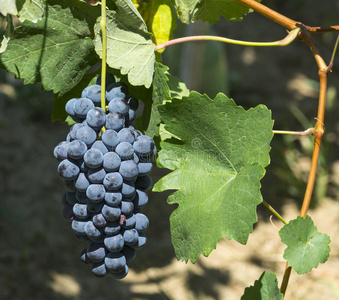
(39, 256)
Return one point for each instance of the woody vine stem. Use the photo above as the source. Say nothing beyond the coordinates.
(304, 33)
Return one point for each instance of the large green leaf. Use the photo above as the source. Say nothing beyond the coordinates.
(265, 288)
(218, 158)
(306, 247)
(210, 10)
(129, 46)
(57, 50)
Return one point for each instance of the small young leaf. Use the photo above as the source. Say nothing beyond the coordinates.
(218, 160)
(129, 46)
(160, 18)
(8, 7)
(31, 10)
(306, 247)
(265, 288)
(54, 52)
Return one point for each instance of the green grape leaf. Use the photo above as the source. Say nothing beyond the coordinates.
(265, 288)
(160, 92)
(31, 10)
(8, 7)
(218, 158)
(129, 46)
(210, 10)
(53, 52)
(306, 247)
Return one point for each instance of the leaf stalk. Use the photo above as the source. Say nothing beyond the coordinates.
(274, 212)
(292, 35)
(330, 65)
(301, 133)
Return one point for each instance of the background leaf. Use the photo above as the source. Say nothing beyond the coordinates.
(55, 53)
(306, 247)
(265, 288)
(31, 10)
(184, 8)
(8, 7)
(211, 10)
(129, 46)
(8, 34)
(218, 162)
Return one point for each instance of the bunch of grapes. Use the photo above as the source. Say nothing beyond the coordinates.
(105, 163)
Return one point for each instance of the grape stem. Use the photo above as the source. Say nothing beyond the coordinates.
(104, 56)
(292, 35)
(301, 133)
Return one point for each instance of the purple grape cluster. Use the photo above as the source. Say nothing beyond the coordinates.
(105, 164)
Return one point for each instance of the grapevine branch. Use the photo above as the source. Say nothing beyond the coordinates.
(305, 35)
(283, 20)
(318, 133)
